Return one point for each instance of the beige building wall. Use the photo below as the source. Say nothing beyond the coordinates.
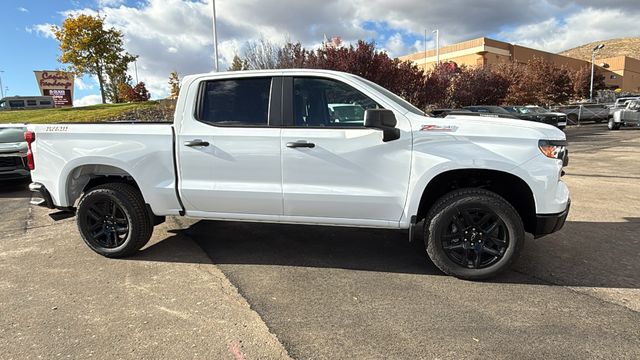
(623, 72)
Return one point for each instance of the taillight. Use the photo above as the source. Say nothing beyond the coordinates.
(30, 137)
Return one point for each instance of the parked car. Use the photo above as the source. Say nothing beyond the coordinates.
(345, 113)
(262, 146)
(621, 103)
(585, 111)
(444, 112)
(13, 153)
(491, 110)
(627, 117)
(26, 102)
(535, 113)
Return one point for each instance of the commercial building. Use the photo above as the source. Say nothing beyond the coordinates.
(620, 72)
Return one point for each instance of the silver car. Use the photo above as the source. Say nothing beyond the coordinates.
(627, 117)
(13, 153)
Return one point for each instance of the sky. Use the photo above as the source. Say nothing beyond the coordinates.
(170, 35)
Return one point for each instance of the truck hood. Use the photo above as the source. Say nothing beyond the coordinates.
(484, 125)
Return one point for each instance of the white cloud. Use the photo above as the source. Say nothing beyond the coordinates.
(22, 9)
(111, 3)
(43, 30)
(87, 100)
(177, 34)
(581, 27)
(82, 85)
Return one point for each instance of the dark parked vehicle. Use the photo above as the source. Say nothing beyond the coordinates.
(13, 153)
(440, 113)
(490, 110)
(534, 113)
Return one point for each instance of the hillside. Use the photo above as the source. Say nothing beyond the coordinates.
(146, 111)
(614, 47)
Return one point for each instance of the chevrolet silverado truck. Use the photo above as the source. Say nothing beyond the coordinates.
(262, 146)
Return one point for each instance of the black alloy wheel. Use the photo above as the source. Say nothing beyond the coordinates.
(473, 234)
(107, 223)
(475, 238)
(114, 220)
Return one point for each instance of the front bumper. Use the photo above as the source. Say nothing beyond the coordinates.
(550, 223)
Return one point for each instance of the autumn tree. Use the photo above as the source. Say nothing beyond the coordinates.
(260, 54)
(581, 82)
(237, 64)
(140, 93)
(90, 48)
(174, 85)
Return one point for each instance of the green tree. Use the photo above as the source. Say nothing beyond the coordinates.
(90, 48)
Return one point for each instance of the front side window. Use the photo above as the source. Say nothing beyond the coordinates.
(324, 102)
(31, 103)
(236, 102)
(16, 103)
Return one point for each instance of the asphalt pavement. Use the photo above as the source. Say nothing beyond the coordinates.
(337, 293)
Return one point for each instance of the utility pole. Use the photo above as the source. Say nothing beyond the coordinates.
(593, 60)
(1, 88)
(437, 32)
(425, 49)
(215, 36)
(135, 66)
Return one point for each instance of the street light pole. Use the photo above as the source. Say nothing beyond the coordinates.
(1, 88)
(215, 36)
(437, 32)
(593, 60)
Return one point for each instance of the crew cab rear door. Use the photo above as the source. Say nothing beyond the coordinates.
(334, 168)
(229, 155)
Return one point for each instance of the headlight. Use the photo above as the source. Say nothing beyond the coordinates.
(555, 149)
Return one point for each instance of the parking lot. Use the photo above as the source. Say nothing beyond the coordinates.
(207, 289)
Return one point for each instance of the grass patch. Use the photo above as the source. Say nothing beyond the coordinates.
(93, 113)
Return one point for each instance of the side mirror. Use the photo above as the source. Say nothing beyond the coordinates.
(384, 120)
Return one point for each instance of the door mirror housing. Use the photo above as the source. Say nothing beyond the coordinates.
(382, 119)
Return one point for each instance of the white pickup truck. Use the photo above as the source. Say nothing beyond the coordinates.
(267, 146)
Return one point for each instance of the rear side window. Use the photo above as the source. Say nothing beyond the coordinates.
(235, 102)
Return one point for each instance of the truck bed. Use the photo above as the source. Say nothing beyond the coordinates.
(64, 153)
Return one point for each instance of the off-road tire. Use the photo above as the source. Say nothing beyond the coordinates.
(131, 206)
(448, 206)
(612, 125)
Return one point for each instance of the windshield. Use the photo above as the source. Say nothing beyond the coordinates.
(538, 109)
(397, 99)
(12, 135)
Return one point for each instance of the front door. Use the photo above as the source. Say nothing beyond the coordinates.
(334, 167)
(229, 156)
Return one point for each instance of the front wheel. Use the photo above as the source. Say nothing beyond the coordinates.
(473, 234)
(113, 220)
(612, 125)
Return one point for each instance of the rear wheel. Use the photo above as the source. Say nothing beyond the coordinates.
(473, 234)
(113, 220)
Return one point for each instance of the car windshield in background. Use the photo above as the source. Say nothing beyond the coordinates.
(538, 109)
(12, 135)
